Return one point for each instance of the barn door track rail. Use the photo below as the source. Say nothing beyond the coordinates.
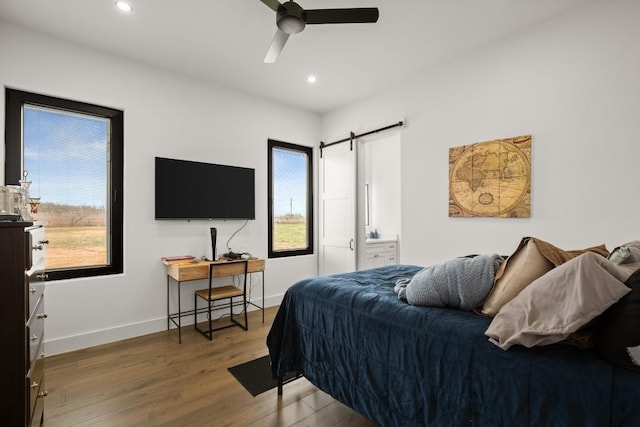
(352, 136)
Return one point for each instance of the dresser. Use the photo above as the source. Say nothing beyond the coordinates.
(22, 313)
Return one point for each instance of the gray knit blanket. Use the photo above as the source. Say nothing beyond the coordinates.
(459, 282)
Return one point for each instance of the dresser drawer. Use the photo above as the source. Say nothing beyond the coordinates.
(37, 244)
(35, 290)
(36, 391)
(35, 331)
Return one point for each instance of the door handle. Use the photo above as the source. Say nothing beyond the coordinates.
(351, 244)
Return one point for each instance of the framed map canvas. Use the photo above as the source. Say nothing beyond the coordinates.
(491, 179)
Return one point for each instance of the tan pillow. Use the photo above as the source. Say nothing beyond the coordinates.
(532, 259)
(519, 270)
(560, 302)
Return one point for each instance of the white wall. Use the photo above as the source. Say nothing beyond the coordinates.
(383, 175)
(165, 115)
(572, 83)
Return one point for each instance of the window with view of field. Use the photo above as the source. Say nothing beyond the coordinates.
(65, 156)
(290, 199)
(71, 153)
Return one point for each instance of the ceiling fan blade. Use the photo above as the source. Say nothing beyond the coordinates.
(341, 16)
(276, 46)
(273, 4)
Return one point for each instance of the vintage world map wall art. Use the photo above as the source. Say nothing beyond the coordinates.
(491, 179)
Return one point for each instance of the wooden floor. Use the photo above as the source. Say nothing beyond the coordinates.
(154, 381)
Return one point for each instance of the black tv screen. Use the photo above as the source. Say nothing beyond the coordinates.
(195, 190)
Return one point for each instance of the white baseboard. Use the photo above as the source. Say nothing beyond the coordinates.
(92, 338)
(104, 336)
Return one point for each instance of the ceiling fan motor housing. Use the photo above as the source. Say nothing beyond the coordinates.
(290, 18)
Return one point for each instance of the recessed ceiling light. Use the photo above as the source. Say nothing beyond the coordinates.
(124, 6)
(311, 79)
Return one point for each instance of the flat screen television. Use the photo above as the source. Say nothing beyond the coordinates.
(195, 190)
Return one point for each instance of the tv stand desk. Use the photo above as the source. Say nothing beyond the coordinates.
(184, 271)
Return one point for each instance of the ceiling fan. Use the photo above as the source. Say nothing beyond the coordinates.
(291, 19)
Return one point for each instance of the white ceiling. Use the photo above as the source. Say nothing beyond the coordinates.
(224, 41)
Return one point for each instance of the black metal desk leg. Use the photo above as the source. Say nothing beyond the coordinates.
(179, 316)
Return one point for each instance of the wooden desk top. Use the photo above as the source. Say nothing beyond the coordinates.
(199, 269)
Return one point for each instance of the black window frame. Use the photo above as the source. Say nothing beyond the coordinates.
(14, 102)
(308, 151)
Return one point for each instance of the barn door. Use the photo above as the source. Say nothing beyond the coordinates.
(338, 209)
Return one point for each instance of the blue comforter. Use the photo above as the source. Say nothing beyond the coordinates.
(404, 365)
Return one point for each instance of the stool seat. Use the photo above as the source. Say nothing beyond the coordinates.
(220, 292)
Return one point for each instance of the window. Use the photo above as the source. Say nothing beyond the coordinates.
(290, 199)
(72, 153)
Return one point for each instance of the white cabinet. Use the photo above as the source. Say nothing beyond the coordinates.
(380, 253)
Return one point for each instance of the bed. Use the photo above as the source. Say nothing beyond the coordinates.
(403, 365)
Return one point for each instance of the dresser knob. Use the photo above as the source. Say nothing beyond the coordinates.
(34, 338)
(44, 242)
(41, 316)
(34, 384)
(33, 290)
(42, 276)
(37, 247)
(43, 393)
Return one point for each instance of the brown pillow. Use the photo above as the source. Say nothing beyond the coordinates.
(523, 267)
(560, 302)
(532, 259)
